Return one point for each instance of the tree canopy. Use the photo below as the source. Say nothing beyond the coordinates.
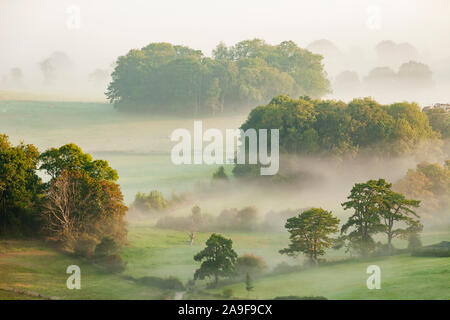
(310, 233)
(218, 258)
(167, 78)
(20, 188)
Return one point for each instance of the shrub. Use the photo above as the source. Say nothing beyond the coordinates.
(171, 283)
(85, 245)
(250, 263)
(111, 263)
(438, 250)
(106, 247)
(227, 293)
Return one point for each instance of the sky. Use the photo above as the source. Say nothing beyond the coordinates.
(30, 30)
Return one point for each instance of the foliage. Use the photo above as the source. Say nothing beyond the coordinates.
(153, 202)
(364, 199)
(250, 263)
(79, 211)
(377, 209)
(438, 250)
(329, 128)
(429, 182)
(111, 263)
(220, 174)
(218, 259)
(439, 120)
(227, 293)
(167, 78)
(70, 157)
(106, 247)
(20, 189)
(309, 233)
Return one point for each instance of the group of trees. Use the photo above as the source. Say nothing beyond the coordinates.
(332, 128)
(79, 207)
(377, 208)
(429, 182)
(167, 78)
(439, 120)
(384, 80)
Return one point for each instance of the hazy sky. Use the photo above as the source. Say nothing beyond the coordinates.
(31, 29)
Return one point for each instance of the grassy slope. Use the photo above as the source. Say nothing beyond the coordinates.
(402, 277)
(33, 266)
(36, 267)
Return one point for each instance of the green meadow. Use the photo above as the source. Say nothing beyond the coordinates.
(31, 266)
(138, 147)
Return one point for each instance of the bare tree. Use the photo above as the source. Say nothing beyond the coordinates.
(65, 199)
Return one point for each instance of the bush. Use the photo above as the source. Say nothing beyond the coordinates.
(249, 263)
(106, 247)
(171, 283)
(85, 245)
(227, 293)
(438, 250)
(111, 263)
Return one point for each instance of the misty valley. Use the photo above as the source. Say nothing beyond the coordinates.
(151, 164)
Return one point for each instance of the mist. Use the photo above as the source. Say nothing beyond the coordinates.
(93, 35)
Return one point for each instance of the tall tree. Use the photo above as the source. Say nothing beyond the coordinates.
(70, 157)
(396, 209)
(80, 210)
(366, 201)
(20, 188)
(310, 233)
(218, 259)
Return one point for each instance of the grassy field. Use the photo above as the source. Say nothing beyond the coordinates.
(37, 267)
(139, 148)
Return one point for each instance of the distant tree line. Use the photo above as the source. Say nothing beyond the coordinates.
(81, 206)
(166, 78)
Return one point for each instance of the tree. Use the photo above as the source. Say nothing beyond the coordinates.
(310, 233)
(80, 211)
(218, 259)
(220, 174)
(70, 157)
(20, 188)
(248, 283)
(415, 75)
(439, 120)
(166, 78)
(396, 208)
(328, 128)
(365, 200)
(250, 263)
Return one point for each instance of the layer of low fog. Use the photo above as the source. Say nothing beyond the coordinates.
(47, 49)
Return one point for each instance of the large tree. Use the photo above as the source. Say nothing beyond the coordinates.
(365, 200)
(79, 211)
(396, 209)
(20, 188)
(70, 157)
(310, 233)
(218, 259)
